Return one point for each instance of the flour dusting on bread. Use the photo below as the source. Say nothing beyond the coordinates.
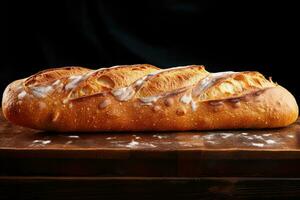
(145, 97)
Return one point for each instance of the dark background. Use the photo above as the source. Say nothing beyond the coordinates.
(235, 35)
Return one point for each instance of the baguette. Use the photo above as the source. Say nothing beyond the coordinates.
(145, 98)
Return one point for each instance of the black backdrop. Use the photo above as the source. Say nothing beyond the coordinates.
(235, 35)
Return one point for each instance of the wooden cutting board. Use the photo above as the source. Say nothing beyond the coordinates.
(242, 153)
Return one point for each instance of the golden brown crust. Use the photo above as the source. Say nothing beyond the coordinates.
(143, 97)
(172, 79)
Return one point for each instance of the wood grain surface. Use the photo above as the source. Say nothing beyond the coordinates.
(132, 165)
(248, 153)
(88, 188)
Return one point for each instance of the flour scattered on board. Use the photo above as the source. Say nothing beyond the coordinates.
(186, 144)
(242, 140)
(270, 142)
(136, 137)
(132, 144)
(73, 136)
(136, 144)
(196, 137)
(258, 144)
(160, 136)
(40, 142)
(258, 137)
(209, 137)
(111, 138)
(266, 134)
(226, 135)
(68, 142)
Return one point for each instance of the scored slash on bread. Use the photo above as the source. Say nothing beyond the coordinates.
(143, 97)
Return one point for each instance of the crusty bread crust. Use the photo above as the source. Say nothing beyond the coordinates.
(145, 98)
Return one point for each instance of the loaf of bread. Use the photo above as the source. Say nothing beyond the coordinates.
(145, 98)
